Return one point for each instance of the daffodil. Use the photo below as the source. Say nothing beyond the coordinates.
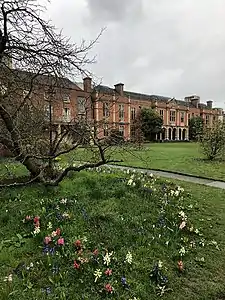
(129, 258)
(97, 274)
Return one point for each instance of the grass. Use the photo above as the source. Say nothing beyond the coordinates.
(179, 157)
(120, 217)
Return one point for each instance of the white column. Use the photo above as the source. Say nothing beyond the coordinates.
(167, 133)
(167, 116)
(187, 134)
(177, 133)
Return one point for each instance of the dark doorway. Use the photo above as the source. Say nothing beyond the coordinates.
(163, 134)
(170, 133)
(174, 134)
(184, 134)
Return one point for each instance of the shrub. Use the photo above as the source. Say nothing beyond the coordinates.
(213, 141)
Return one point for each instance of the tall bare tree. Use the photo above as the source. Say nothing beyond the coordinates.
(35, 62)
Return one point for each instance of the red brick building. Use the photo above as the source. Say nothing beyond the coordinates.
(118, 108)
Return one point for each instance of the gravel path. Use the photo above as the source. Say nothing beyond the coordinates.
(212, 183)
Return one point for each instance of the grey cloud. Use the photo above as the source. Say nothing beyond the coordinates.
(116, 10)
(173, 48)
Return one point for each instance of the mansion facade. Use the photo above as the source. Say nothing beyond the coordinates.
(116, 108)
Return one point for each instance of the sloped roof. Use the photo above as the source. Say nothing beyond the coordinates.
(144, 97)
(40, 79)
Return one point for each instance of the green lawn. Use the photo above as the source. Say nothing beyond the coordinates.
(180, 157)
(119, 217)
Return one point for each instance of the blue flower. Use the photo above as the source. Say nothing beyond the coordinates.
(48, 250)
(161, 221)
(84, 213)
(55, 269)
(46, 290)
(124, 282)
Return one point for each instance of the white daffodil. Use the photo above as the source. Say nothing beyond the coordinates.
(49, 226)
(97, 274)
(107, 258)
(160, 264)
(182, 225)
(9, 278)
(176, 193)
(182, 251)
(36, 230)
(63, 201)
(129, 258)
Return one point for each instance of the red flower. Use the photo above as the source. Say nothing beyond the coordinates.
(108, 272)
(37, 224)
(180, 265)
(36, 219)
(78, 243)
(76, 265)
(108, 288)
(60, 241)
(95, 252)
(58, 231)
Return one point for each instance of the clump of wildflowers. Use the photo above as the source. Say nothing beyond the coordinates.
(129, 258)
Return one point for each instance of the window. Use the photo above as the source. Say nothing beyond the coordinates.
(66, 98)
(81, 103)
(106, 111)
(172, 116)
(121, 112)
(182, 117)
(132, 132)
(66, 114)
(133, 113)
(207, 119)
(214, 118)
(121, 130)
(161, 113)
(106, 130)
(3, 89)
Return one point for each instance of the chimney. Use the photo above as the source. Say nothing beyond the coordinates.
(119, 88)
(194, 100)
(209, 104)
(87, 84)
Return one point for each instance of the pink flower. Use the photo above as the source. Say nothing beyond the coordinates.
(58, 231)
(78, 243)
(108, 288)
(76, 265)
(28, 218)
(47, 240)
(60, 241)
(95, 252)
(108, 272)
(182, 225)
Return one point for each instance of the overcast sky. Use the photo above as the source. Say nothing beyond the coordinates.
(165, 47)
